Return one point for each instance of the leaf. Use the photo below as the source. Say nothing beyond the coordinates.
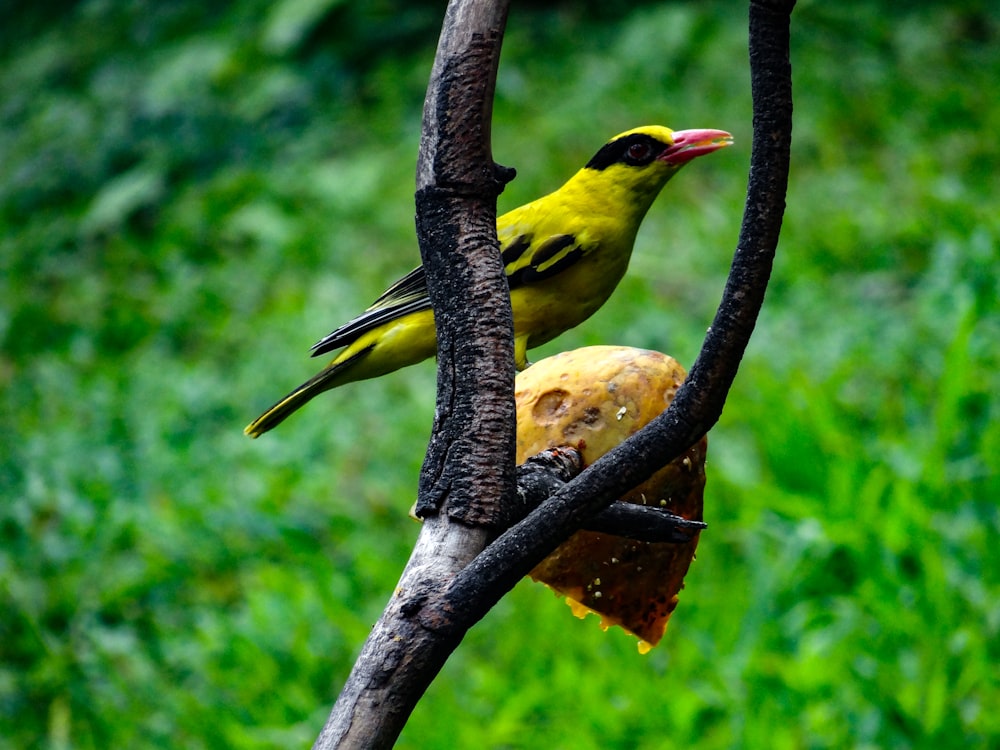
(121, 197)
(290, 22)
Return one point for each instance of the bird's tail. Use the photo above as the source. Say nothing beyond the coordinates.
(324, 380)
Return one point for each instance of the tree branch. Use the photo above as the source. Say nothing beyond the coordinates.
(464, 474)
(542, 475)
(469, 468)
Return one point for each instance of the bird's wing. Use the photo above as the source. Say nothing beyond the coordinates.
(406, 296)
(410, 287)
(527, 260)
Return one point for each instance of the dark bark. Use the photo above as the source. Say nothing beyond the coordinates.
(469, 468)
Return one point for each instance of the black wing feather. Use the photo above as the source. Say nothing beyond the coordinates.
(559, 251)
(414, 284)
(372, 318)
(409, 295)
(406, 296)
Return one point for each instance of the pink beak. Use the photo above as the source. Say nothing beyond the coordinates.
(689, 144)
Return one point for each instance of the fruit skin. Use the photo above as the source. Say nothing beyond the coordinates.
(592, 399)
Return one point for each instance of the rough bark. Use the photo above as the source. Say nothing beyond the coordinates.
(469, 468)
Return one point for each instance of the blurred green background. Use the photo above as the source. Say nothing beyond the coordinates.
(192, 193)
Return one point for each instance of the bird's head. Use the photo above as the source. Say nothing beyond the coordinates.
(643, 159)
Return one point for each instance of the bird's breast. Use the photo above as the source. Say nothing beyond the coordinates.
(548, 308)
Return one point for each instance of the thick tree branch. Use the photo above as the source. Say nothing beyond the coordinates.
(469, 468)
(464, 474)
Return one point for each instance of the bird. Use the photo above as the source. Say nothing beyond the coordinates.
(563, 256)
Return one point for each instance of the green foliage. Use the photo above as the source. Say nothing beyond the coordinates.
(191, 194)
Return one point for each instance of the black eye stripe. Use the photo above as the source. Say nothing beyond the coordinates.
(617, 151)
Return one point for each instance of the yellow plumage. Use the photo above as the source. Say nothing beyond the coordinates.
(563, 254)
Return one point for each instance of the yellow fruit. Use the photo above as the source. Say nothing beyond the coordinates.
(592, 399)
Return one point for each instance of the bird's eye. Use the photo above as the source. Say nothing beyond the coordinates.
(638, 152)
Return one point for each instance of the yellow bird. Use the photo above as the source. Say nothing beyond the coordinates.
(563, 254)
